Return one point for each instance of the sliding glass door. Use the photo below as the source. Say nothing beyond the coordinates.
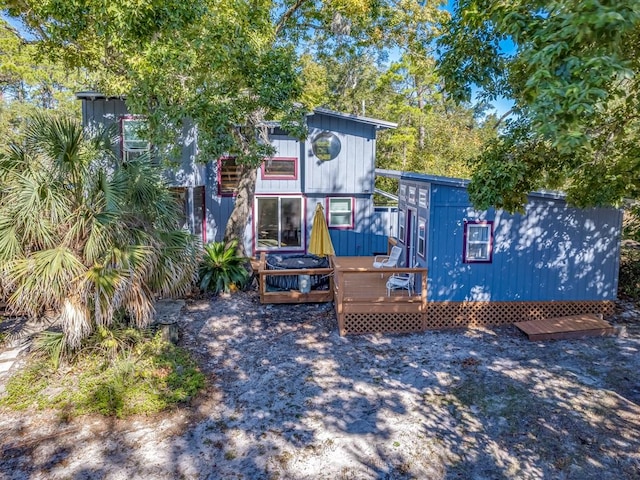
(278, 222)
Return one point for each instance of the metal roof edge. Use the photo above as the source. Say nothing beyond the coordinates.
(388, 195)
(381, 124)
(456, 182)
(93, 95)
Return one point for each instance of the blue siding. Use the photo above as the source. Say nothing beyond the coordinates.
(218, 209)
(552, 252)
(369, 234)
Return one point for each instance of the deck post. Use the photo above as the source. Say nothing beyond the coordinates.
(423, 298)
(261, 276)
(339, 299)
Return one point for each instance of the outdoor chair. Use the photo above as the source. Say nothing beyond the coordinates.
(390, 261)
(399, 281)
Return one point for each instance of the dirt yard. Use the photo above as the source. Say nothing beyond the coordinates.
(290, 399)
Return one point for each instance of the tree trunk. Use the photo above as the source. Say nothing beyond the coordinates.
(421, 129)
(237, 223)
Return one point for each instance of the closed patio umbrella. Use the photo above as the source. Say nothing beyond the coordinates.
(320, 243)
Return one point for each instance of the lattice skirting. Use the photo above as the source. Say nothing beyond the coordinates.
(463, 314)
(466, 314)
(355, 323)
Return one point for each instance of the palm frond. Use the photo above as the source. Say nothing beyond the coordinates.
(10, 242)
(138, 303)
(43, 279)
(175, 272)
(60, 139)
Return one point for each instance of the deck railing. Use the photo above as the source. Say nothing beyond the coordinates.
(363, 304)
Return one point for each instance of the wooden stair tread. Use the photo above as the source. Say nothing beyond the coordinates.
(575, 326)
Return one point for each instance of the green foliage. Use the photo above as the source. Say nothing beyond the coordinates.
(629, 276)
(222, 269)
(229, 63)
(83, 236)
(573, 78)
(631, 223)
(30, 83)
(52, 346)
(144, 375)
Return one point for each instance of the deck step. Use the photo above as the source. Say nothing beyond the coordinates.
(576, 326)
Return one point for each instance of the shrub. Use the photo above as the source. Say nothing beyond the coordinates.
(115, 374)
(222, 269)
(629, 277)
(85, 237)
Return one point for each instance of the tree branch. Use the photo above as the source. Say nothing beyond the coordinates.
(287, 15)
(503, 117)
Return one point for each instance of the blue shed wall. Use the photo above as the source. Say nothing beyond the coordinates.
(552, 252)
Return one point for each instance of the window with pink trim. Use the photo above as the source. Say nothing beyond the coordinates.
(340, 212)
(228, 176)
(478, 241)
(280, 168)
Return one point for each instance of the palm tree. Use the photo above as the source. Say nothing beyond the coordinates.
(84, 237)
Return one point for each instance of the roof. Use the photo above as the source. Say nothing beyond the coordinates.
(379, 124)
(453, 182)
(93, 95)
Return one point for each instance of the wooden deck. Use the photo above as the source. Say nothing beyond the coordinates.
(362, 304)
(576, 326)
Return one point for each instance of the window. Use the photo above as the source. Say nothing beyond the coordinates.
(422, 198)
(340, 212)
(403, 192)
(412, 195)
(131, 141)
(278, 222)
(422, 237)
(280, 169)
(478, 239)
(228, 176)
(401, 225)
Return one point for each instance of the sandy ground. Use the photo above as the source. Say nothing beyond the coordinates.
(290, 399)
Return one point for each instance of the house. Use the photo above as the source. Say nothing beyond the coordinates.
(494, 267)
(333, 166)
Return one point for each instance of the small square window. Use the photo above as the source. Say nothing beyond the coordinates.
(412, 195)
(478, 241)
(132, 141)
(340, 212)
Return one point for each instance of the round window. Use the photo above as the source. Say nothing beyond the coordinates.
(326, 146)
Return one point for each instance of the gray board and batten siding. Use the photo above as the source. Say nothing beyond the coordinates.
(99, 111)
(352, 171)
(350, 174)
(552, 252)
